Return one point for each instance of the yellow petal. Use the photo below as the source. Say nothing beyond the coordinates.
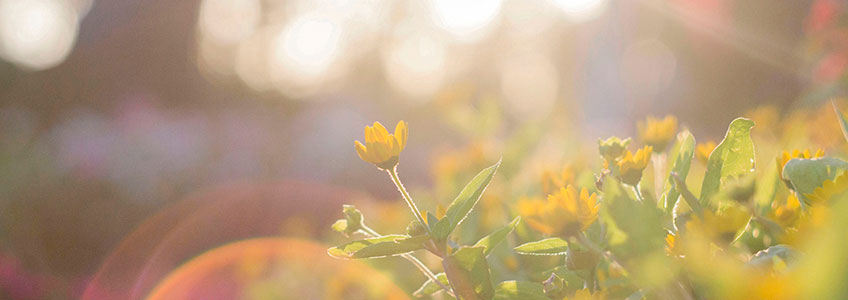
(380, 133)
(361, 150)
(401, 133)
(369, 134)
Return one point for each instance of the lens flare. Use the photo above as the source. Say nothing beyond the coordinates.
(465, 19)
(298, 269)
(36, 34)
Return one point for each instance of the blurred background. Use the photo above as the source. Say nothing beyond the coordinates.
(137, 135)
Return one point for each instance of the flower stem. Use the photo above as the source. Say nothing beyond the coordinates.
(415, 261)
(407, 198)
(597, 249)
(638, 192)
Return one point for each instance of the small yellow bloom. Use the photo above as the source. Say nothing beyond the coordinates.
(564, 213)
(381, 148)
(670, 242)
(786, 212)
(786, 157)
(630, 166)
(702, 151)
(658, 133)
(829, 189)
(553, 181)
(721, 226)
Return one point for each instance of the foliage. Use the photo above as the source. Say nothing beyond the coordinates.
(627, 224)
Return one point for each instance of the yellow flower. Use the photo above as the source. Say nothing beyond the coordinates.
(658, 133)
(720, 226)
(630, 166)
(786, 212)
(552, 181)
(829, 189)
(381, 148)
(702, 151)
(786, 156)
(564, 213)
(670, 242)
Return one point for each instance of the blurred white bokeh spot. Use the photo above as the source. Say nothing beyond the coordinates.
(37, 34)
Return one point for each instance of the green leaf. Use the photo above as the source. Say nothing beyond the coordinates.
(682, 162)
(462, 205)
(636, 228)
(493, 239)
(520, 290)
(842, 123)
(734, 156)
(429, 287)
(550, 246)
(765, 257)
(388, 245)
(808, 174)
(468, 274)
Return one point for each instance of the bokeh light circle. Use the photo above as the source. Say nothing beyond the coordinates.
(581, 10)
(229, 21)
(415, 63)
(465, 19)
(37, 34)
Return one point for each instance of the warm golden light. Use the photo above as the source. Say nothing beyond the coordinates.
(229, 21)
(305, 50)
(529, 83)
(465, 19)
(581, 10)
(415, 64)
(36, 34)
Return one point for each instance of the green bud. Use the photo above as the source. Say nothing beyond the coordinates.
(415, 228)
(613, 147)
(351, 223)
(555, 287)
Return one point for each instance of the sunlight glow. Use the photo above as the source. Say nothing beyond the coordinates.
(36, 34)
(229, 21)
(529, 83)
(467, 20)
(304, 51)
(415, 65)
(581, 10)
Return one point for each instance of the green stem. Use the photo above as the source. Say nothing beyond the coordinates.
(597, 249)
(414, 260)
(407, 198)
(638, 192)
(659, 172)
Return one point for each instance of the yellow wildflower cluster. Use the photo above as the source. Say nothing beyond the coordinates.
(829, 189)
(564, 213)
(552, 181)
(786, 156)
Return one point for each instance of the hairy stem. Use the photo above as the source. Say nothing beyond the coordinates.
(638, 192)
(407, 198)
